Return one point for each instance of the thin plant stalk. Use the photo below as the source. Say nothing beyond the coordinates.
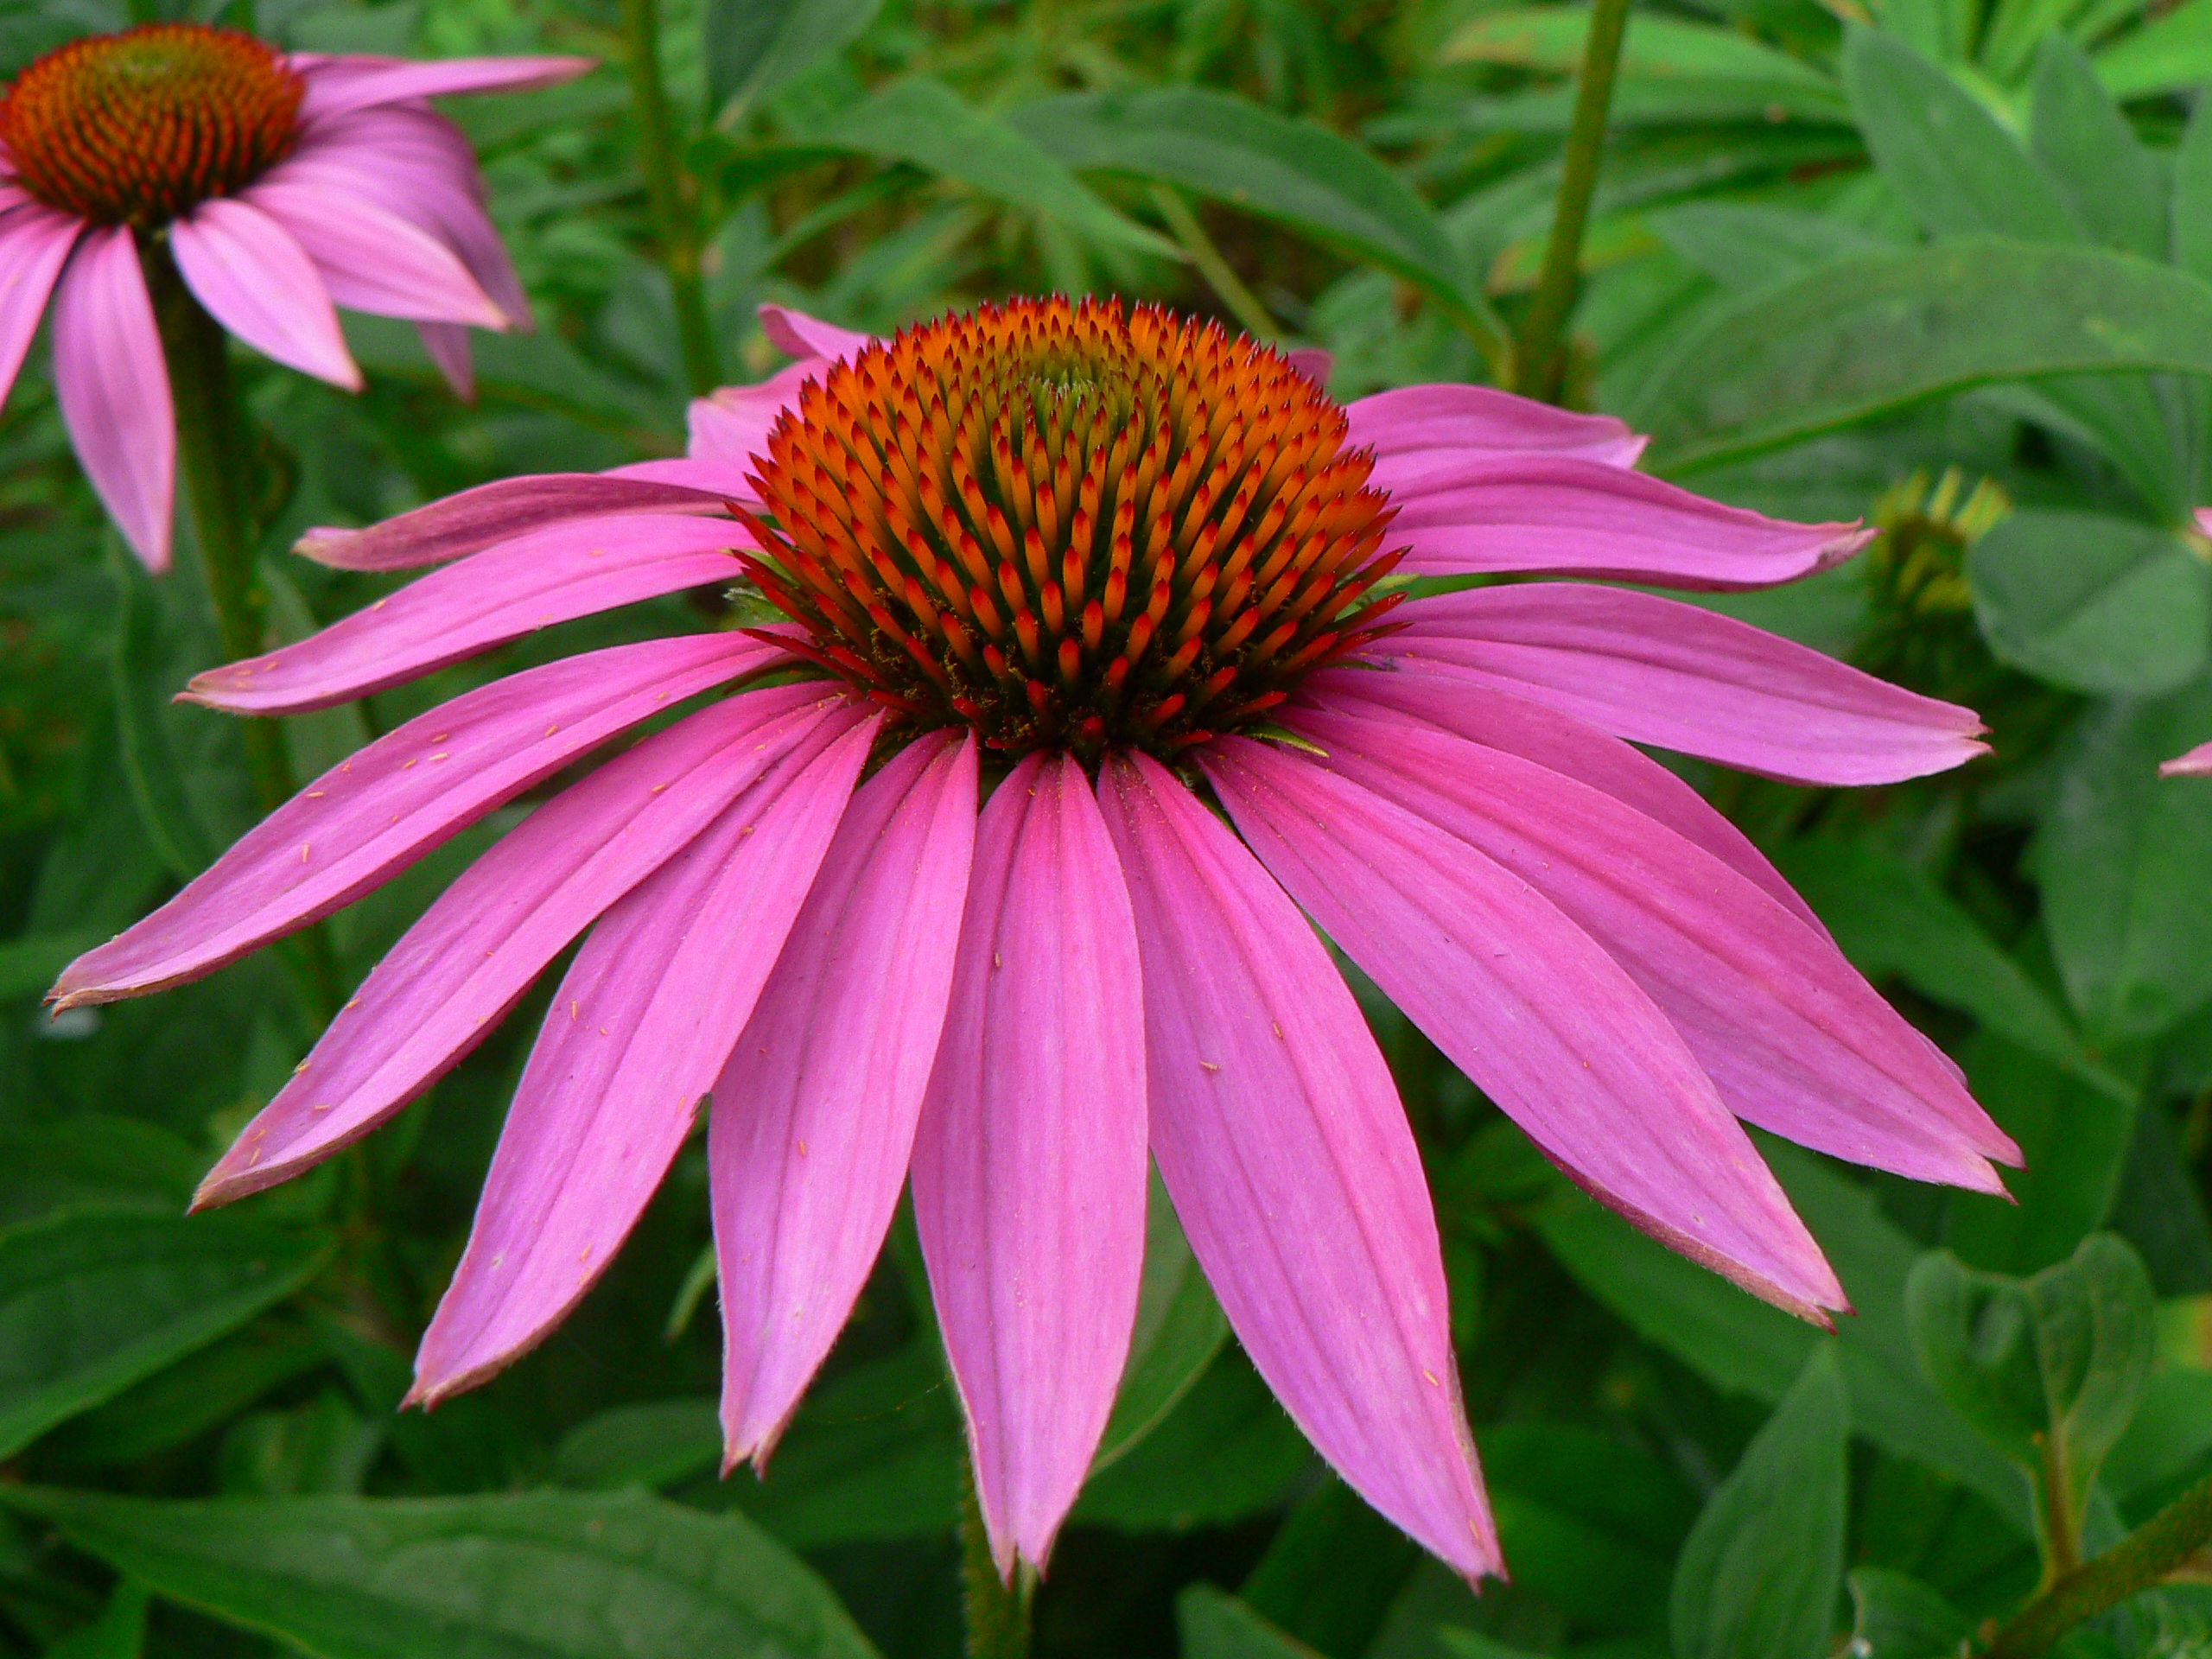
(997, 1613)
(2143, 1558)
(1243, 304)
(1540, 355)
(672, 194)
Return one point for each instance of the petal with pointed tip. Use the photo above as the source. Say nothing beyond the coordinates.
(445, 344)
(474, 519)
(2197, 763)
(34, 244)
(259, 283)
(338, 84)
(795, 335)
(372, 260)
(113, 386)
(1415, 429)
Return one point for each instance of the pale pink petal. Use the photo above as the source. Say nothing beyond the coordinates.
(1796, 1041)
(114, 389)
(1659, 672)
(2204, 519)
(337, 84)
(2197, 763)
(731, 426)
(1417, 430)
(258, 283)
(34, 242)
(813, 1120)
(13, 195)
(1280, 1135)
(1315, 363)
(1564, 745)
(718, 479)
(369, 817)
(636, 1034)
(795, 335)
(442, 987)
(1587, 519)
(445, 344)
(1533, 1011)
(1029, 1162)
(499, 512)
(373, 260)
(566, 570)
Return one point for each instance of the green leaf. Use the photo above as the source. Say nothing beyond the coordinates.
(540, 371)
(184, 1401)
(2092, 602)
(542, 1575)
(1876, 334)
(1656, 48)
(2087, 149)
(1899, 1617)
(1953, 168)
(2171, 54)
(1214, 1625)
(2121, 854)
(1759, 1574)
(2048, 1370)
(91, 1159)
(119, 1633)
(925, 122)
(1332, 1572)
(2168, 1438)
(1292, 172)
(92, 1302)
(1179, 1328)
(1586, 1522)
(1225, 1452)
(2192, 198)
(653, 1444)
(1747, 246)
(29, 965)
(754, 47)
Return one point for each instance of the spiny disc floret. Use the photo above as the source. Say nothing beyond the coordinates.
(1066, 527)
(141, 127)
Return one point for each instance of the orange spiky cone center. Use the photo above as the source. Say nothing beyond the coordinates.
(1064, 527)
(141, 127)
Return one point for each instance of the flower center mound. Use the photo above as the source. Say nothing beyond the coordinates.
(1066, 526)
(141, 127)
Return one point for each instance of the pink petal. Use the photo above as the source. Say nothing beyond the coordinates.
(360, 824)
(445, 344)
(1562, 744)
(1586, 518)
(442, 989)
(634, 1039)
(1657, 670)
(1280, 1135)
(2197, 763)
(2203, 519)
(721, 479)
(499, 512)
(1796, 1041)
(1533, 1011)
(372, 260)
(34, 242)
(566, 570)
(1417, 428)
(813, 1121)
(114, 389)
(731, 426)
(337, 84)
(795, 335)
(1029, 1164)
(258, 283)
(1315, 363)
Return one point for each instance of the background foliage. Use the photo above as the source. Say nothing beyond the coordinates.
(1944, 263)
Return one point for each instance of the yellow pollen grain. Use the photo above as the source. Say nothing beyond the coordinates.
(316, 794)
(1209, 1065)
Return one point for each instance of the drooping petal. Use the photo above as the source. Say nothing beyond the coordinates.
(635, 1037)
(259, 283)
(2197, 763)
(445, 344)
(365, 820)
(1282, 1139)
(1563, 744)
(502, 511)
(114, 389)
(337, 84)
(813, 1120)
(35, 243)
(1659, 672)
(795, 335)
(442, 987)
(1415, 429)
(1586, 518)
(1796, 1041)
(1029, 1161)
(1315, 363)
(549, 575)
(1530, 1008)
(731, 426)
(372, 260)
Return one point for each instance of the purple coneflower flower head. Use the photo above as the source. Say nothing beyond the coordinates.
(1104, 697)
(280, 184)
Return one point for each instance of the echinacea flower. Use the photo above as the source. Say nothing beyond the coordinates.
(1095, 689)
(277, 183)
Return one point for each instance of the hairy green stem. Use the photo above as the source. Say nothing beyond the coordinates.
(216, 455)
(1243, 304)
(2139, 1561)
(671, 194)
(1540, 356)
(997, 1613)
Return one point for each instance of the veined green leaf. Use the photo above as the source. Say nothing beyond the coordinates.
(2087, 149)
(1214, 1625)
(2168, 54)
(1653, 48)
(1179, 1328)
(753, 47)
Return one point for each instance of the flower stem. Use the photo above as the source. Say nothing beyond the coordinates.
(1243, 304)
(998, 1612)
(215, 453)
(2141, 1559)
(672, 196)
(1539, 355)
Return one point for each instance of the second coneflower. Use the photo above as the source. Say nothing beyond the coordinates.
(1093, 691)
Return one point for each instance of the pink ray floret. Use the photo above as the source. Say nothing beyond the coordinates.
(993, 872)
